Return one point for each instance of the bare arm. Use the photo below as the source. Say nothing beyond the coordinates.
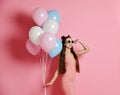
(85, 50)
(53, 79)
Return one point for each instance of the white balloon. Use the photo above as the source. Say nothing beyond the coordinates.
(34, 34)
(51, 26)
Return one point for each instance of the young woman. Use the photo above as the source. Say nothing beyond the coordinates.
(68, 64)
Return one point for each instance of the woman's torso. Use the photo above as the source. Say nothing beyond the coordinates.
(70, 66)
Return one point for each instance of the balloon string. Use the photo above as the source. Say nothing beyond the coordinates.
(49, 64)
(46, 63)
(43, 62)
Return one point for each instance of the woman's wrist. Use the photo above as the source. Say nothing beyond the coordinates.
(51, 83)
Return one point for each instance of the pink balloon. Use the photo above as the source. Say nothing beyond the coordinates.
(31, 48)
(40, 16)
(47, 41)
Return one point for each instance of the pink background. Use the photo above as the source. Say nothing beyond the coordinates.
(96, 22)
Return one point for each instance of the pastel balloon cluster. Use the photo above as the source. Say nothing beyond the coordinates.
(42, 36)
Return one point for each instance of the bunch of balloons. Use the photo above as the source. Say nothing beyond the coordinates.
(43, 34)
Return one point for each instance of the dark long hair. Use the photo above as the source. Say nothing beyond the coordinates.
(62, 68)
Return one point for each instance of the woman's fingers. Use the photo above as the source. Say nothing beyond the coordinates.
(76, 41)
(46, 85)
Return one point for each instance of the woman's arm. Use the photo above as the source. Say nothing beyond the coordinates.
(53, 79)
(85, 50)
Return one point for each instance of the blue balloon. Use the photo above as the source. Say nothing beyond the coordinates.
(57, 49)
(53, 14)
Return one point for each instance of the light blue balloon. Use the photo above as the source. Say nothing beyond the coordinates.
(57, 49)
(53, 14)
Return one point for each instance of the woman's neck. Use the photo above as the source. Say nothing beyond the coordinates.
(68, 50)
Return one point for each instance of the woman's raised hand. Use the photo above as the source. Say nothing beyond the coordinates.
(76, 41)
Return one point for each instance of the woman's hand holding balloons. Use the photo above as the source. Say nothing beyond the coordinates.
(47, 84)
